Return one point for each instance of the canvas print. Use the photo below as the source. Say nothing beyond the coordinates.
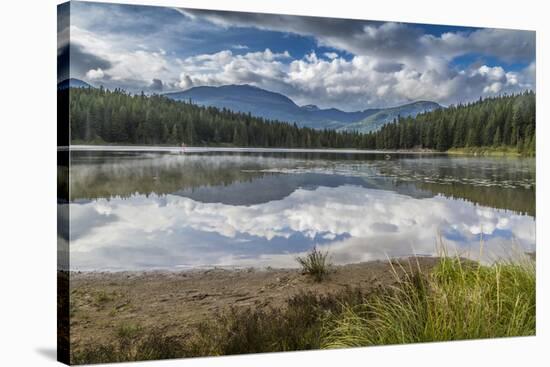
(233, 183)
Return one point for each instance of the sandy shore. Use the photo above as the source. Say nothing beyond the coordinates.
(178, 301)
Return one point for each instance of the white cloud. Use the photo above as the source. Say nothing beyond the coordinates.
(264, 69)
(392, 63)
(95, 74)
(185, 81)
(373, 223)
(361, 82)
(508, 45)
(129, 67)
(383, 39)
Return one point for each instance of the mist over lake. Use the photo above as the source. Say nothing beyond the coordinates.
(133, 210)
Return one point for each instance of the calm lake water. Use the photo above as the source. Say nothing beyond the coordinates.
(167, 210)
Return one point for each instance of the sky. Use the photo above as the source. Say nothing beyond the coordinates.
(346, 64)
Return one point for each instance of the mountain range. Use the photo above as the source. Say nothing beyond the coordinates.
(276, 106)
(73, 83)
(271, 105)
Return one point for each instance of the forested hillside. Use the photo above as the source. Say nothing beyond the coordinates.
(505, 121)
(99, 115)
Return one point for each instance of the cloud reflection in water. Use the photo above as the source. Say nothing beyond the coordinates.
(354, 222)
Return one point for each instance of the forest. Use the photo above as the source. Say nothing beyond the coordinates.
(118, 117)
(503, 121)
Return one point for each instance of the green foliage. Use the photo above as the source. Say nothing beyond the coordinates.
(118, 117)
(315, 263)
(128, 330)
(99, 115)
(504, 121)
(458, 300)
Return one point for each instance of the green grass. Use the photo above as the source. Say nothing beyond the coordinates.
(315, 263)
(102, 299)
(128, 330)
(458, 300)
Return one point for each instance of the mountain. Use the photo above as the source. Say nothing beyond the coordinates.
(270, 105)
(382, 117)
(73, 83)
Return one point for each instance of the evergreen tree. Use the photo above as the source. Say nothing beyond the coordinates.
(119, 117)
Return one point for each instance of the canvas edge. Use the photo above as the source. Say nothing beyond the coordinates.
(63, 161)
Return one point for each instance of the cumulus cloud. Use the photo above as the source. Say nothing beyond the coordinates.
(331, 55)
(361, 81)
(359, 224)
(383, 39)
(185, 81)
(367, 64)
(94, 57)
(94, 74)
(508, 45)
(263, 68)
(156, 85)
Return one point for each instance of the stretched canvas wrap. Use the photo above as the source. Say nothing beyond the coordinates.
(234, 183)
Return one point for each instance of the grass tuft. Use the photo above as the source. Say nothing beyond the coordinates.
(458, 300)
(315, 264)
(128, 330)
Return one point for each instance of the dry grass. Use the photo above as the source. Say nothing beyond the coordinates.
(315, 263)
(458, 299)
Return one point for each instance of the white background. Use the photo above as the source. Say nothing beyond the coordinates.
(28, 182)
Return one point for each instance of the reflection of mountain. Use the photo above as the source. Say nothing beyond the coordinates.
(263, 103)
(94, 176)
(256, 179)
(273, 187)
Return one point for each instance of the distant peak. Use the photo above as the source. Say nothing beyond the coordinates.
(73, 83)
(310, 107)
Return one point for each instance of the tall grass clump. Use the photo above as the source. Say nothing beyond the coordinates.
(315, 263)
(458, 299)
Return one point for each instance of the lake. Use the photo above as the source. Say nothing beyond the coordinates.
(159, 208)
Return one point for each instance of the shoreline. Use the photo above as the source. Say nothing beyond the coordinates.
(204, 149)
(118, 317)
(474, 151)
(235, 268)
(103, 302)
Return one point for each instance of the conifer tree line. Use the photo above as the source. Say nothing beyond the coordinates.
(100, 115)
(503, 121)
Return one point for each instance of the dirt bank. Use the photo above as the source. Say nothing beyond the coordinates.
(104, 303)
